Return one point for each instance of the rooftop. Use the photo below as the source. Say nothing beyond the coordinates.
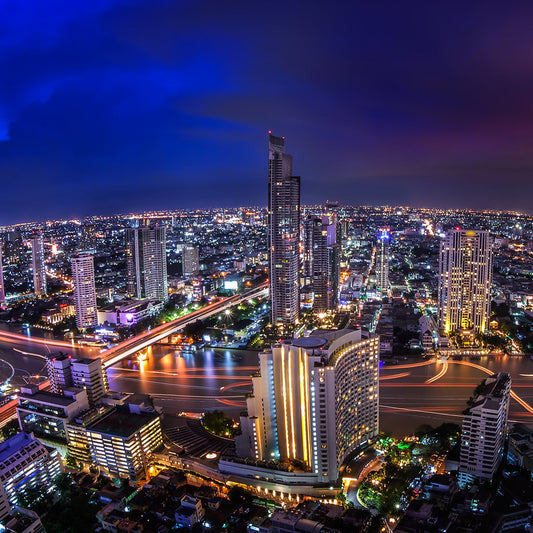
(14, 444)
(122, 423)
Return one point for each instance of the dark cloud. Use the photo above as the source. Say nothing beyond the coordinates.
(113, 106)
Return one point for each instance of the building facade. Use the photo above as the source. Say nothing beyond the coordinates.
(465, 281)
(484, 429)
(146, 262)
(38, 265)
(119, 442)
(190, 261)
(84, 291)
(283, 233)
(25, 462)
(382, 263)
(2, 289)
(315, 400)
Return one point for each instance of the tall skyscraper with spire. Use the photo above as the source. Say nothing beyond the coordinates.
(37, 261)
(283, 233)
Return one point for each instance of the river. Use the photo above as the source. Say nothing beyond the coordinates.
(218, 379)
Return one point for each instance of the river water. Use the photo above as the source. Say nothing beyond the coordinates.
(218, 379)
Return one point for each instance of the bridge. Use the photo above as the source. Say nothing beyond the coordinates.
(134, 344)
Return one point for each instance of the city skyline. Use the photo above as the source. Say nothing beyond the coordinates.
(104, 98)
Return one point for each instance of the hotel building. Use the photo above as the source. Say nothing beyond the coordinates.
(314, 401)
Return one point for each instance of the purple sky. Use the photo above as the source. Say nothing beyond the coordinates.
(113, 106)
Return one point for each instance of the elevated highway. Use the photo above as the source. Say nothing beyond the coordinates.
(134, 344)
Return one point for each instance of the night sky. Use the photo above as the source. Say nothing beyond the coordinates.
(119, 106)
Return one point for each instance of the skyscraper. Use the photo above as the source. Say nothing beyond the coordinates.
(2, 290)
(190, 261)
(315, 400)
(321, 260)
(89, 374)
(382, 263)
(84, 291)
(38, 266)
(465, 280)
(146, 258)
(484, 429)
(283, 233)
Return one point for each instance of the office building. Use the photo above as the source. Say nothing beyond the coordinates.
(120, 442)
(25, 462)
(465, 280)
(283, 233)
(2, 289)
(84, 291)
(146, 262)
(38, 266)
(315, 400)
(484, 429)
(46, 413)
(382, 263)
(190, 261)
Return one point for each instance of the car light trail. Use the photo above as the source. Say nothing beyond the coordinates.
(440, 374)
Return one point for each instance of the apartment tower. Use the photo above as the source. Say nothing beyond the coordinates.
(465, 280)
(84, 291)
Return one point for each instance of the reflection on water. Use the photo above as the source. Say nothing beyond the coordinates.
(218, 379)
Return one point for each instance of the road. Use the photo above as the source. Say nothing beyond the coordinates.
(134, 344)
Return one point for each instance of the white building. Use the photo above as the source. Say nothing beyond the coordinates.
(484, 429)
(130, 312)
(146, 262)
(465, 280)
(38, 266)
(89, 374)
(25, 462)
(84, 291)
(315, 400)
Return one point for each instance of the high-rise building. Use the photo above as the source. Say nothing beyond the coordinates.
(25, 462)
(84, 291)
(38, 266)
(484, 429)
(59, 369)
(2, 289)
(283, 233)
(321, 261)
(315, 400)
(190, 261)
(146, 258)
(465, 280)
(382, 263)
(90, 374)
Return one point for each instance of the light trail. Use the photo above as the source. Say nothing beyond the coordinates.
(515, 396)
(440, 374)
(422, 411)
(411, 365)
(30, 353)
(394, 376)
(235, 385)
(36, 340)
(8, 364)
